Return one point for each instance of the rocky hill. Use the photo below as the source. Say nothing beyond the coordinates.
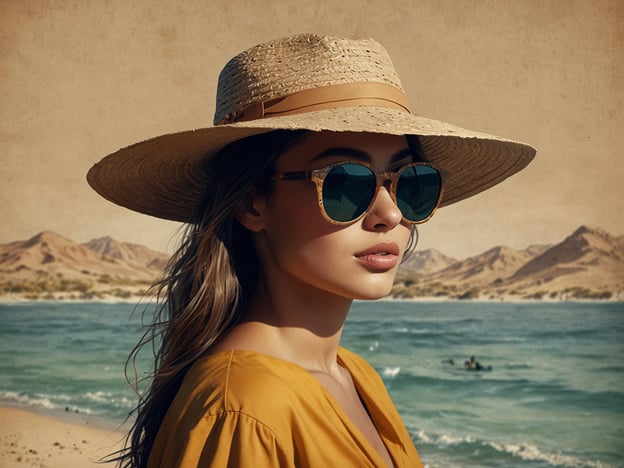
(52, 266)
(133, 253)
(498, 262)
(584, 250)
(426, 261)
(588, 264)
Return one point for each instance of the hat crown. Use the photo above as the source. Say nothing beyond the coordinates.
(296, 63)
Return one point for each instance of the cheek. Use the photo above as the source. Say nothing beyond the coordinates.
(303, 245)
(295, 222)
(313, 252)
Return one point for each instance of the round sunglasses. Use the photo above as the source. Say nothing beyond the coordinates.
(346, 190)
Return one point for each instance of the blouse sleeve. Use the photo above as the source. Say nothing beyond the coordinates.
(228, 439)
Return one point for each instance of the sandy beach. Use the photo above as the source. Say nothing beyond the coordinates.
(35, 440)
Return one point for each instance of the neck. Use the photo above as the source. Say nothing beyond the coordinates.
(296, 325)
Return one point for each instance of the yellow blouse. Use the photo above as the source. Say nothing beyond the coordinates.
(246, 409)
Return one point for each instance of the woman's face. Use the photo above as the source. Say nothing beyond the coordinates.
(300, 249)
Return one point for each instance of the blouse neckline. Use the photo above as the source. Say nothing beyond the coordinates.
(384, 427)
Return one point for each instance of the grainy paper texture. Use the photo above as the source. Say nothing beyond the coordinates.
(79, 80)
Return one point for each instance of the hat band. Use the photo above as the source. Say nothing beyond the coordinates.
(325, 97)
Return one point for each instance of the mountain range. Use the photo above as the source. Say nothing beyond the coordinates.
(51, 266)
(588, 264)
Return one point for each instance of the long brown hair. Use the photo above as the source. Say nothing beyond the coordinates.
(206, 284)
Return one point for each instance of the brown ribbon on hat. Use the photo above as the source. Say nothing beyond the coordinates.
(368, 93)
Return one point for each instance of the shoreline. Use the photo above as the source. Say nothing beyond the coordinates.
(36, 438)
(617, 298)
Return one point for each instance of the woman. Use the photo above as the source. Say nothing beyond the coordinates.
(303, 196)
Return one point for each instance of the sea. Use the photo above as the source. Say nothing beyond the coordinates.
(553, 396)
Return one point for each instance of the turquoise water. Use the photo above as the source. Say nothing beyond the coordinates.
(554, 396)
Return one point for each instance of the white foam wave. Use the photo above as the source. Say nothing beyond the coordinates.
(526, 452)
(47, 402)
(109, 398)
(28, 400)
(530, 452)
(391, 371)
(444, 439)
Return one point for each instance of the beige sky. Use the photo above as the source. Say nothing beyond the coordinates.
(78, 80)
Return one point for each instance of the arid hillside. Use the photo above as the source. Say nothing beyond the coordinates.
(588, 264)
(50, 266)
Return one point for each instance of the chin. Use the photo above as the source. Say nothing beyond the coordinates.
(372, 293)
(371, 298)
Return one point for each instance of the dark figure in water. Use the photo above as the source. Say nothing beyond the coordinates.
(472, 364)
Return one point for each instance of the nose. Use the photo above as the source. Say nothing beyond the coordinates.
(384, 214)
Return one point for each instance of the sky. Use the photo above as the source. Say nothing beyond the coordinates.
(81, 79)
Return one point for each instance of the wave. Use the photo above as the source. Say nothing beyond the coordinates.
(556, 393)
(109, 398)
(489, 453)
(615, 369)
(89, 403)
(443, 440)
(39, 401)
(567, 334)
(391, 372)
(528, 452)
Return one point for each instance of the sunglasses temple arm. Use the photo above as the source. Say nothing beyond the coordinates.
(295, 175)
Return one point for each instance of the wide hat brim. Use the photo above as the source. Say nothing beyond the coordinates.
(165, 176)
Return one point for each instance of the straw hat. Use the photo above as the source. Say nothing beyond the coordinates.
(308, 82)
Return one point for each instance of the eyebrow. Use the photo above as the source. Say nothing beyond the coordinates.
(359, 154)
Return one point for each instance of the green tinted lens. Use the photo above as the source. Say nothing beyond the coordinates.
(348, 190)
(418, 190)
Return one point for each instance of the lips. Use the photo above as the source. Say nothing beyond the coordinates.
(380, 257)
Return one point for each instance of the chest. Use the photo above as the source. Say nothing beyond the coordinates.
(346, 395)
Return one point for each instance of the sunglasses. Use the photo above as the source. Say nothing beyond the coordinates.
(346, 190)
